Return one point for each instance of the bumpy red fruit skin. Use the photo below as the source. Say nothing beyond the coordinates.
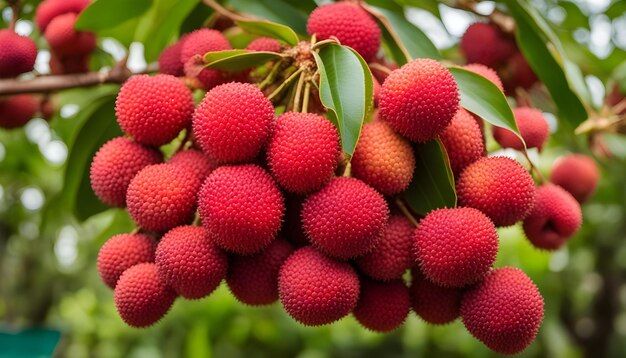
(455, 247)
(190, 262)
(17, 54)
(382, 306)
(463, 141)
(141, 296)
(500, 187)
(315, 289)
(199, 42)
(169, 60)
(253, 280)
(383, 159)
(504, 311)
(303, 151)
(233, 122)
(556, 217)
(419, 99)
(65, 41)
(162, 196)
(392, 255)
(346, 218)
(16, 111)
(518, 73)
(153, 110)
(115, 164)
(532, 126)
(350, 24)
(241, 207)
(576, 173)
(194, 161)
(121, 252)
(486, 44)
(50, 9)
(264, 44)
(433, 303)
(486, 72)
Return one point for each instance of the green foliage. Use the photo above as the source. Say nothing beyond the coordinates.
(237, 60)
(270, 29)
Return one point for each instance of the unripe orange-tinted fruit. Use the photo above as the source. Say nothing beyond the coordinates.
(17, 54)
(190, 262)
(500, 187)
(350, 24)
(264, 44)
(194, 161)
(65, 41)
(463, 141)
(17, 110)
(121, 252)
(576, 173)
(419, 99)
(241, 208)
(383, 159)
(253, 280)
(555, 218)
(486, 44)
(486, 72)
(199, 42)
(433, 303)
(169, 60)
(50, 9)
(346, 218)
(382, 306)
(115, 165)
(455, 247)
(532, 126)
(303, 151)
(233, 122)
(315, 289)
(141, 296)
(504, 311)
(153, 110)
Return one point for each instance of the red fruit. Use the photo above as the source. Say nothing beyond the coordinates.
(576, 173)
(65, 41)
(532, 126)
(17, 54)
(153, 110)
(141, 296)
(419, 100)
(162, 196)
(486, 44)
(194, 161)
(315, 289)
(433, 303)
(303, 151)
(383, 159)
(500, 187)
(253, 280)
(346, 218)
(486, 72)
(190, 262)
(115, 164)
(199, 42)
(556, 217)
(504, 311)
(382, 306)
(463, 140)
(241, 207)
(121, 252)
(392, 255)
(455, 247)
(50, 9)
(17, 110)
(350, 24)
(264, 44)
(233, 122)
(169, 60)
(518, 73)
(69, 65)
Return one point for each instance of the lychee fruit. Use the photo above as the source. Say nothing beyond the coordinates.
(383, 159)
(153, 110)
(350, 24)
(115, 164)
(194, 161)
(17, 110)
(47, 10)
(69, 65)
(576, 173)
(169, 60)
(315, 289)
(391, 257)
(190, 262)
(264, 44)
(65, 41)
(121, 252)
(504, 311)
(200, 42)
(141, 296)
(303, 151)
(253, 280)
(346, 218)
(233, 122)
(463, 141)
(382, 306)
(419, 100)
(518, 73)
(241, 207)
(554, 219)
(17, 54)
(486, 72)
(500, 187)
(532, 125)
(486, 44)
(433, 303)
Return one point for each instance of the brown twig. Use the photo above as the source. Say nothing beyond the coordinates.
(16, 10)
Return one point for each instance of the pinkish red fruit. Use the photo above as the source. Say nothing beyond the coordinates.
(121, 252)
(463, 140)
(17, 54)
(532, 125)
(65, 41)
(433, 303)
(382, 306)
(17, 110)
(576, 173)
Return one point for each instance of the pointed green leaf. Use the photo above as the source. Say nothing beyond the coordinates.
(270, 29)
(107, 14)
(237, 60)
(278, 11)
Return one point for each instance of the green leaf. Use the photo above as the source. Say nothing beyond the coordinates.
(616, 10)
(433, 182)
(428, 5)
(278, 11)
(346, 89)
(270, 29)
(237, 60)
(107, 14)
(481, 97)
(574, 17)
